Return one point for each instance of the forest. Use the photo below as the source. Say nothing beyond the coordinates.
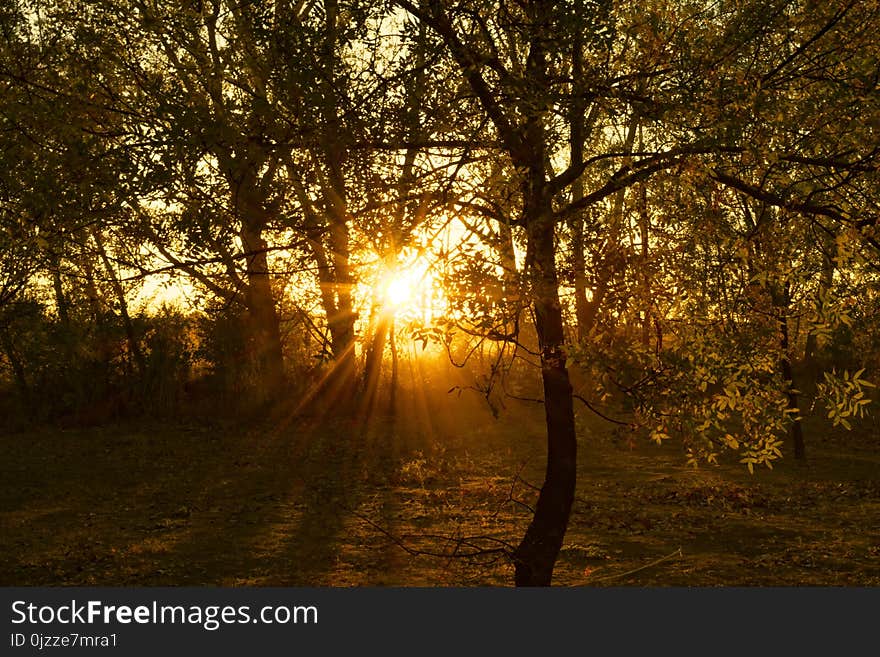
(439, 292)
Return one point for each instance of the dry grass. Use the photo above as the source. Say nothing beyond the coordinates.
(331, 503)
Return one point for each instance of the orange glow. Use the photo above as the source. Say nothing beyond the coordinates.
(407, 290)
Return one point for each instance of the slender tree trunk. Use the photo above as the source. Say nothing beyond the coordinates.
(644, 230)
(510, 291)
(61, 303)
(91, 289)
(536, 555)
(826, 280)
(18, 369)
(262, 316)
(264, 328)
(373, 364)
(341, 324)
(579, 124)
(782, 301)
(340, 317)
(524, 137)
(130, 335)
(340, 383)
(582, 307)
(395, 365)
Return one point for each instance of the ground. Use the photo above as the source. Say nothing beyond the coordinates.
(295, 501)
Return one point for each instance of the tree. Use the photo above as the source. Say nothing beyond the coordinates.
(671, 72)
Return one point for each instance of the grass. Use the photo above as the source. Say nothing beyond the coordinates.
(327, 502)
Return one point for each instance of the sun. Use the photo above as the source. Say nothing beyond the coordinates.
(403, 290)
(400, 290)
(408, 290)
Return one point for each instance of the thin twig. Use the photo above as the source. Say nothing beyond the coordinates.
(600, 413)
(676, 553)
(476, 551)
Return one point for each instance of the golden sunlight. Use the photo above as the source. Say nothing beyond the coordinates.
(407, 290)
(400, 289)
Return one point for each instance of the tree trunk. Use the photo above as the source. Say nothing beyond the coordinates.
(826, 280)
(536, 555)
(264, 328)
(579, 269)
(797, 431)
(510, 285)
(262, 317)
(373, 364)
(646, 298)
(579, 124)
(133, 343)
(340, 316)
(18, 369)
(341, 324)
(61, 303)
(782, 301)
(395, 366)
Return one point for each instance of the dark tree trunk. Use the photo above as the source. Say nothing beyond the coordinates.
(341, 324)
(91, 291)
(811, 364)
(797, 430)
(340, 316)
(579, 271)
(395, 366)
(579, 124)
(61, 302)
(373, 364)
(131, 336)
(782, 301)
(264, 327)
(263, 320)
(646, 299)
(18, 369)
(536, 555)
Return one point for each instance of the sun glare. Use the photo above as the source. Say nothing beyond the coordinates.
(400, 290)
(407, 291)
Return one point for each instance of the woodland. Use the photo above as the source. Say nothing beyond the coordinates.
(439, 292)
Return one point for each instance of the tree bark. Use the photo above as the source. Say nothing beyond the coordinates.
(826, 281)
(342, 325)
(373, 364)
(646, 298)
(579, 126)
(782, 301)
(536, 555)
(262, 315)
(18, 369)
(130, 334)
(61, 303)
(395, 366)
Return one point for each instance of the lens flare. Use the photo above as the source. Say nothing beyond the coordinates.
(400, 290)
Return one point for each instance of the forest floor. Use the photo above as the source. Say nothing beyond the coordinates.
(327, 502)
